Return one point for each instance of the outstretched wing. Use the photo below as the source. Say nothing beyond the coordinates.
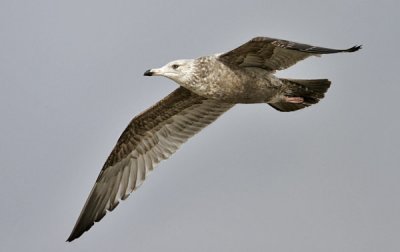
(273, 54)
(149, 138)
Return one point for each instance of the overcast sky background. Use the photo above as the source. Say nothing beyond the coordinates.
(322, 179)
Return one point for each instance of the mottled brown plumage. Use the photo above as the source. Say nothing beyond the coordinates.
(210, 86)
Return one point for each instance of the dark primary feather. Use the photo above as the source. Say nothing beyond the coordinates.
(149, 138)
(274, 54)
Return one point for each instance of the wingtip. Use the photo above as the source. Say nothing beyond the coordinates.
(72, 237)
(78, 231)
(354, 48)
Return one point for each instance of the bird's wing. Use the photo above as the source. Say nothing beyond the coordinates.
(149, 138)
(273, 54)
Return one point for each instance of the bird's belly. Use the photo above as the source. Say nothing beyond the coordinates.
(241, 85)
(250, 91)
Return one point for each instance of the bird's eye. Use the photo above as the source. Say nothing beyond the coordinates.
(175, 66)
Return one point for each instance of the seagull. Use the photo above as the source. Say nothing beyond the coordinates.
(208, 87)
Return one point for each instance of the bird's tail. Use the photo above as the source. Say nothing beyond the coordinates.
(311, 91)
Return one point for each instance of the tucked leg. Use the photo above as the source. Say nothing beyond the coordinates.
(294, 99)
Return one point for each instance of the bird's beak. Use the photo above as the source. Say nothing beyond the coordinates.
(154, 72)
(148, 73)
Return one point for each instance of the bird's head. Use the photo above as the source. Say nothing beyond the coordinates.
(177, 70)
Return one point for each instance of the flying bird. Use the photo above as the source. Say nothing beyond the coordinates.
(208, 87)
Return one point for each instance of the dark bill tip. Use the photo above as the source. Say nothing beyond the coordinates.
(148, 73)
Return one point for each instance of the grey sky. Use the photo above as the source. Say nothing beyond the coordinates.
(321, 179)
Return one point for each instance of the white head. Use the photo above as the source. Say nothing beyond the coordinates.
(177, 70)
